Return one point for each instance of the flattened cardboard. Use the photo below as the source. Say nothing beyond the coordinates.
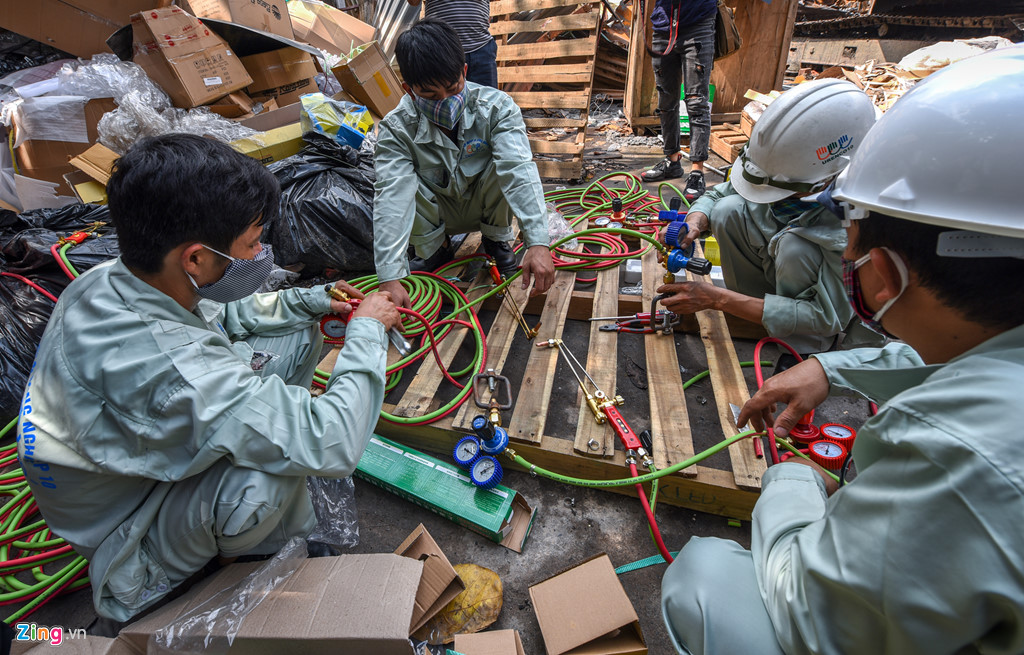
(280, 135)
(439, 584)
(327, 28)
(330, 605)
(285, 74)
(190, 62)
(606, 624)
(97, 162)
(88, 645)
(492, 642)
(368, 78)
(266, 15)
(86, 189)
(79, 27)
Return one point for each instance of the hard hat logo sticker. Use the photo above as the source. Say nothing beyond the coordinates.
(835, 149)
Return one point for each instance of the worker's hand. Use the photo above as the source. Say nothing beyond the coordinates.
(340, 306)
(538, 263)
(379, 306)
(697, 222)
(689, 297)
(414, 3)
(397, 293)
(802, 388)
(831, 486)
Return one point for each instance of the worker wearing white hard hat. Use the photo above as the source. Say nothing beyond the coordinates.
(781, 255)
(919, 553)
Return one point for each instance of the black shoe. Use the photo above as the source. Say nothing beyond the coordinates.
(443, 255)
(784, 362)
(501, 253)
(663, 170)
(320, 549)
(694, 186)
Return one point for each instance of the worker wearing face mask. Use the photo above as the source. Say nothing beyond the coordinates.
(452, 158)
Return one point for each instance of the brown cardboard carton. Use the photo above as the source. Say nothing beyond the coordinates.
(493, 642)
(239, 106)
(80, 27)
(330, 605)
(47, 160)
(191, 63)
(97, 162)
(285, 74)
(368, 78)
(280, 135)
(267, 15)
(606, 624)
(327, 28)
(439, 584)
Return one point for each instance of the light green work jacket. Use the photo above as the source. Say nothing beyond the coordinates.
(414, 158)
(922, 552)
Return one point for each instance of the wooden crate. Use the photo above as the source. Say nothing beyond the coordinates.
(591, 451)
(727, 141)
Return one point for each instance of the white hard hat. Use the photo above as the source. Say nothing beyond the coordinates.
(950, 152)
(804, 138)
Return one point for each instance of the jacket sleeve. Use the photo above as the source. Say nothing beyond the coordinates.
(274, 314)
(517, 174)
(394, 205)
(842, 366)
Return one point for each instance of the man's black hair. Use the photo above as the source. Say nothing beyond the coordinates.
(430, 53)
(179, 188)
(984, 290)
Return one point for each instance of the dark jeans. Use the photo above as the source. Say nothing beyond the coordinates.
(483, 68)
(689, 64)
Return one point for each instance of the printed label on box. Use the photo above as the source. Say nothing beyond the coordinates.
(212, 81)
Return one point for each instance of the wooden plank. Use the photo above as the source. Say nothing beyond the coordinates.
(670, 421)
(563, 170)
(602, 355)
(588, 21)
(550, 50)
(544, 123)
(727, 141)
(527, 423)
(502, 7)
(551, 100)
(552, 74)
(641, 96)
(555, 147)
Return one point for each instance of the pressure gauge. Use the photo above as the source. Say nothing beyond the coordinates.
(615, 224)
(828, 454)
(333, 326)
(839, 433)
(466, 451)
(485, 472)
(602, 222)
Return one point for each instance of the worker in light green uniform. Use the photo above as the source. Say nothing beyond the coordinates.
(167, 419)
(453, 157)
(920, 552)
(781, 255)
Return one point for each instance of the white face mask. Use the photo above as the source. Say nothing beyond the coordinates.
(241, 278)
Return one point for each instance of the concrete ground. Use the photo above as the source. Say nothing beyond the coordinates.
(571, 525)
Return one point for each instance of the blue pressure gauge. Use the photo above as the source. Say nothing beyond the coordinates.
(485, 472)
(466, 451)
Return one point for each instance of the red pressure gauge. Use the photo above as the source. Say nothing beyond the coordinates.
(839, 433)
(827, 454)
(805, 432)
(333, 326)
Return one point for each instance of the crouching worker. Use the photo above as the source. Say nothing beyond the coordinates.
(781, 255)
(915, 554)
(167, 419)
(452, 158)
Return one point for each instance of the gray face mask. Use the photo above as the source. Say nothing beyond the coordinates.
(241, 278)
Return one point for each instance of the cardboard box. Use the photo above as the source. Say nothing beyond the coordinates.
(47, 159)
(367, 77)
(605, 625)
(191, 63)
(500, 514)
(267, 15)
(280, 135)
(495, 642)
(285, 74)
(86, 189)
(79, 27)
(97, 162)
(327, 28)
(237, 105)
(439, 584)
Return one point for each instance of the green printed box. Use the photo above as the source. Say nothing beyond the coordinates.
(500, 514)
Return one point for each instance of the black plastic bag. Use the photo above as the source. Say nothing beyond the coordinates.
(326, 209)
(24, 312)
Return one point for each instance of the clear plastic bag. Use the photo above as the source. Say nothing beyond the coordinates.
(211, 626)
(558, 227)
(334, 504)
(345, 122)
(106, 76)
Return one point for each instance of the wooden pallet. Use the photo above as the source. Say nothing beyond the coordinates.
(727, 141)
(541, 72)
(588, 450)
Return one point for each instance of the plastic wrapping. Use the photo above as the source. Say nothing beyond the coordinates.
(106, 76)
(326, 219)
(345, 122)
(334, 503)
(558, 227)
(50, 118)
(211, 626)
